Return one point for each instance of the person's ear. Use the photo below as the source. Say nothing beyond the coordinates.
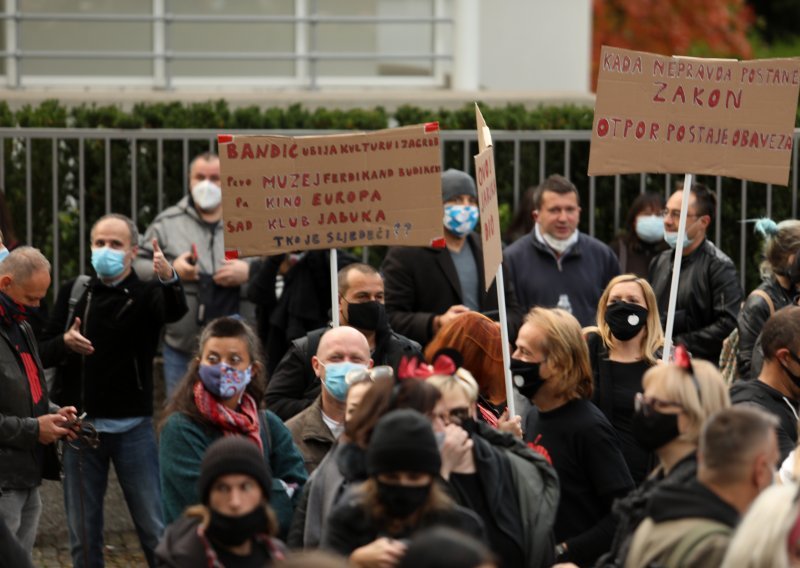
(316, 364)
(535, 215)
(370, 364)
(257, 368)
(5, 281)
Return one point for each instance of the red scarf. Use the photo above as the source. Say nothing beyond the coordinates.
(12, 315)
(241, 422)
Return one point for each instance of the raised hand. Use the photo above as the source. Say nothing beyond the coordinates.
(75, 341)
(161, 266)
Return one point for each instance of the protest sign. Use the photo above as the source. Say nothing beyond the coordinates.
(487, 202)
(706, 116)
(283, 194)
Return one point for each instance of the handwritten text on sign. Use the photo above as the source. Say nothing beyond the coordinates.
(489, 216)
(313, 192)
(711, 116)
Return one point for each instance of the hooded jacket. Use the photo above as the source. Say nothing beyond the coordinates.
(785, 409)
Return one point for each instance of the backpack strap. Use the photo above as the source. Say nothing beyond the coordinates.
(75, 294)
(762, 294)
(694, 537)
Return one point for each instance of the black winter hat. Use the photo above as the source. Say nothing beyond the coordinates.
(403, 440)
(455, 183)
(233, 454)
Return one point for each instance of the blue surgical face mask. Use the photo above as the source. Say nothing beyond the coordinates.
(3, 253)
(335, 375)
(671, 237)
(224, 381)
(650, 228)
(107, 262)
(460, 219)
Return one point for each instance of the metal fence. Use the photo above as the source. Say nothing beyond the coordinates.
(139, 172)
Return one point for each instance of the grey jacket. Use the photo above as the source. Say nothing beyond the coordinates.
(177, 228)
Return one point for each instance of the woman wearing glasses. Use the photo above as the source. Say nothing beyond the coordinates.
(626, 342)
(677, 401)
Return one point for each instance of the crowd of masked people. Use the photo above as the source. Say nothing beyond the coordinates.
(391, 440)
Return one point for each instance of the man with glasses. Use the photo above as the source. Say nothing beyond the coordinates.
(709, 294)
(556, 265)
(342, 358)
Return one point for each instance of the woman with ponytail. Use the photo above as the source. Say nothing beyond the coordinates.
(780, 272)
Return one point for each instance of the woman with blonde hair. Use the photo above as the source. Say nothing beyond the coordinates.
(626, 341)
(677, 401)
(569, 429)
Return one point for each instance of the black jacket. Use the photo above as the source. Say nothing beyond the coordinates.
(294, 386)
(708, 300)
(422, 283)
(124, 323)
(782, 407)
(693, 500)
(21, 454)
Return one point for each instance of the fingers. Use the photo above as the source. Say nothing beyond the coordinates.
(156, 248)
(76, 325)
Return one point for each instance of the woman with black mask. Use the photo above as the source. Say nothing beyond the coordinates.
(625, 343)
(400, 497)
(677, 401)
(234, 525)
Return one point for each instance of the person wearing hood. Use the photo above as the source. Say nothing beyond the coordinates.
(234, 525)
(294, 386)
(191, 236)
(427, 288)
(556, 265)
(691, 525)
(777, 389)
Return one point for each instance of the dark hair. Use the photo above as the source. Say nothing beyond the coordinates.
(183, 398)
(384, 396)
(6, 223)
(645, 201)
(705, 200)
(781, 331)
(443, 547)
(344, 275)
(522, 222)
(557, 184)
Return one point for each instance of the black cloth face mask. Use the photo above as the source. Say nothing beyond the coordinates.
(625, 319)
(401, 501)
(526, 377)
(233, 531)
(369, 316)
(653, 430)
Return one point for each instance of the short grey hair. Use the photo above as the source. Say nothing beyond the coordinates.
(127, 220)
(23, 262)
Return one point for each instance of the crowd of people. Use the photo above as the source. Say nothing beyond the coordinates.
(387, 441)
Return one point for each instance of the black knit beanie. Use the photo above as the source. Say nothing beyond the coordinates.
(455, 183)
(403, 440)
(233, 454)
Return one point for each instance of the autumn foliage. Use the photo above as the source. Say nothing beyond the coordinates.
(708, 28)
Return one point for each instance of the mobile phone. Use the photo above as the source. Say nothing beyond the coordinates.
(193, 257)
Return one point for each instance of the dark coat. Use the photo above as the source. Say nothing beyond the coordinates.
(124, 324)
(422, 283)
(785, 409)
(311, 435)
(709, 296)
(754, 314)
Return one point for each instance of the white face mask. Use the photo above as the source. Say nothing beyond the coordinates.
(206, 195)
(558, 245)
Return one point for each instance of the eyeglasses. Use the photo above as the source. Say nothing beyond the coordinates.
(675, 214)
(457, 415)
(649, 405)
(359, 375)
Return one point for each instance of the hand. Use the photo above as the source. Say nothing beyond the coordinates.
(380, 553)
(232, 273)
(186, 270)
(512, 425)
(456, 449)
(76, 342)
(51, 428)
(70, 415)
(161, 266)
(452, 313)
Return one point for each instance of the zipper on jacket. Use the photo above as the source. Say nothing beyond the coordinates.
(125, 307)
(83, 357)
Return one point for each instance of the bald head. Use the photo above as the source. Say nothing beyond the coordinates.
(343, 343)
(25, 276)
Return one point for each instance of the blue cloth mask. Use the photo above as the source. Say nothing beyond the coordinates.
(107, 262)
(650, 228)
(671, 237)
(224, 381)
(460, 219)
(3, 253)
(335, 375)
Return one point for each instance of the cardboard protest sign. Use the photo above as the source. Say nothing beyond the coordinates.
(283, 193)
(487, 202)
(681, 114)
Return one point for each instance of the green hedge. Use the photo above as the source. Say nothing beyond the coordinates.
(217, 115)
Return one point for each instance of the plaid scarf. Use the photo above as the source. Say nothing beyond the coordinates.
(213, 560)
(242, 422)
(12, 315)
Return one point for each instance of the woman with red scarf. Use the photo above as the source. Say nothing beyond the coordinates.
(219, 396)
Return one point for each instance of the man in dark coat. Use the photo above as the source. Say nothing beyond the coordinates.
(426, 288)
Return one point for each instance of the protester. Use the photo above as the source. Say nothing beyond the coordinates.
(709, 294)
(643, 238)
(103, 335)
(556, 264)
(691, 525)
(578, 439)
(234, 524)
(399, 498)
(426, 288)
(780, 273)
(768, 534)
(678, 400)
(442, 547)
(777, 389)
(294, 386)
(217, 398)
(29, 423)
(626, 342)
(478, 340)
(191, 236)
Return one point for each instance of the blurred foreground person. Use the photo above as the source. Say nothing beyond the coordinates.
(445, 548)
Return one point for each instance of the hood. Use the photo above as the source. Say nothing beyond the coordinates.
(693, 500)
